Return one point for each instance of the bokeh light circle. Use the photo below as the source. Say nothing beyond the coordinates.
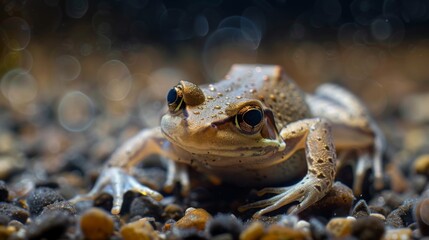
(115, 80)
(66, 68)
(15, 33)
(75, 111)
(19, 86)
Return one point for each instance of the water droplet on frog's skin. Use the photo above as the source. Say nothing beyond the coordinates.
(219, 94)
(220, 112)
(196, 112)
(252, 90)
(212, 88)
(217, 107)
(214, 115)
(210, 97)
(238, 97)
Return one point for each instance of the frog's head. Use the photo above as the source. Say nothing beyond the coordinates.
(217, 123)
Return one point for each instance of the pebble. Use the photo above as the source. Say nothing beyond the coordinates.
(318, 230)
(194, 218)
(42, 197)
(398, 234)
(401, 216)
(340, 227)
(224, 224)
(421, 165)
(421, 214)
(337, 202)
(14, 212)
(96, 224)
(145, 207)
(172, 211)
(368, 228)
(283, 232)
(63, 206)
(398, 182)
(253, 232)
(4, 192)
(49, 226)
(361, 209)
(140, 229)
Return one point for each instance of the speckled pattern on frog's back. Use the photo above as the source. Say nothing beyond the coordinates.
(268, 84)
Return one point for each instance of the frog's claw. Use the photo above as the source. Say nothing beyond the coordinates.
(176, 172)
(117, 182)
(305, 192)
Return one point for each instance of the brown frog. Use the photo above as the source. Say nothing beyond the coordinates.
(254, 128)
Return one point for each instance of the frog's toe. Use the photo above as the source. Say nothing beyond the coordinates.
(177, 172)
(116, 182)
(306, 192)
(274, 190)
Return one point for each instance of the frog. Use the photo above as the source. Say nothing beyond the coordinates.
(255, 127)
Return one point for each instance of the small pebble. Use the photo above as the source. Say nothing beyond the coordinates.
(401, 216)
(361, 209)
(14, 212)
(96, 224)
(318, 230)
(42, 197)
(49, 226)
(282, 232)
(194, 218)
(340, 227)
(253, 232)
(140, 229)
(63, 206)
(224, 224)
(6, 232)
(172, 211)
(4, 192)
(398, 182)
(421, 165)
(421, 214)
(398, 234)
(337, 202)
(368, 228)
(145, 207)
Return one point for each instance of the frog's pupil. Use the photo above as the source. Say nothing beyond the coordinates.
(252, 117)
(172, 96)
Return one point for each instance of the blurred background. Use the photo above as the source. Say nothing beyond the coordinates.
(76, 70)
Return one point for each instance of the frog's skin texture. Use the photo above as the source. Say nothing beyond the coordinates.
(254, 128)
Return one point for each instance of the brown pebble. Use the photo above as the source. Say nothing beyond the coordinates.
(253, 232)
(340, 227)
(398, 234)
(421, 165)
(398, 182)
(140, 230)
(96, 224)
(337, 202)
(172, 211)
(194, 218)
(421, 214)
(275, 232)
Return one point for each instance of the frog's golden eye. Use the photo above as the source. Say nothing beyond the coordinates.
(175, 99)
(249, 119)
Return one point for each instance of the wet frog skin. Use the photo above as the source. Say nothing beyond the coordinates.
(254, 128)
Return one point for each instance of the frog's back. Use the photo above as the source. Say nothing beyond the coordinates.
(270, 85)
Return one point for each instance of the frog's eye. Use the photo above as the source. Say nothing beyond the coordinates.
(249, 119)
(175, 99)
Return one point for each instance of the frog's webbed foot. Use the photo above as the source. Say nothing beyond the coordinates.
(306, 192)
(176, 172)
(116, 182)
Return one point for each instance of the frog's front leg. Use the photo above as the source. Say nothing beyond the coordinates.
(315, 136)
(116, 177)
